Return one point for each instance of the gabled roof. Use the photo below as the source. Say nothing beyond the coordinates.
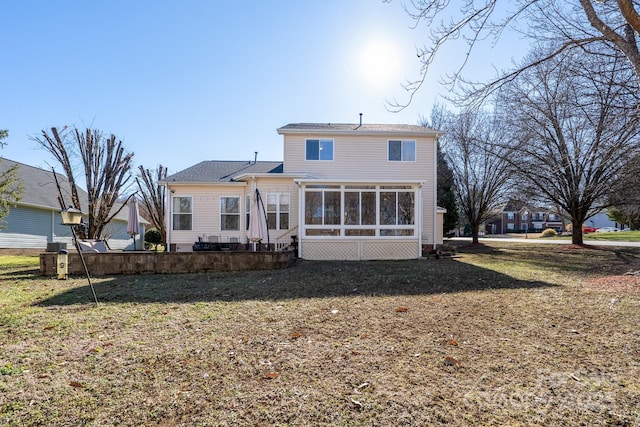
(40, 188)
(355, 128)
(209, 171)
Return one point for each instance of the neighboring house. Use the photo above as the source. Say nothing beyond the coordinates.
(601, 220)
(515, 217)
(344, 191)
(36, 221)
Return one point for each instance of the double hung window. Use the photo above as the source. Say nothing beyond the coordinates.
(277, 211)
(230, 213)
(182, 213)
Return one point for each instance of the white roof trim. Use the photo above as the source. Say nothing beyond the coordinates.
(357, 181)
(204, 184)
(391, 133)
(271, 175)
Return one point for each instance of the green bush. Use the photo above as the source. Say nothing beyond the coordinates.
(549, 232)
(153, 237)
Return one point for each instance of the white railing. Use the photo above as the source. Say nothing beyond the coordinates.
(284, 241)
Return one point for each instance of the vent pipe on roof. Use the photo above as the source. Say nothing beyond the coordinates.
(357, 127)
(255, 157)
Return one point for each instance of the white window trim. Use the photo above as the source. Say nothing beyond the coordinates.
(238, 214)
(333, 149)
(277, 211)
(402, 160)
(173, 212)
(377, 226)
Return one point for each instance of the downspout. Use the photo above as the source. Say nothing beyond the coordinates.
(420, 219)
(435, 190)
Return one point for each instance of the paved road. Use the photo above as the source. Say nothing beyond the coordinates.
(549, 241)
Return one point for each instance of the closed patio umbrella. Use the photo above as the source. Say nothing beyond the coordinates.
(133, 223)
(255, 223)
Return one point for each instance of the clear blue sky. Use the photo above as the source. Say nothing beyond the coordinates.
(184, 81)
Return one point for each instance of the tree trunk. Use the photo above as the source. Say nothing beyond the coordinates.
(475, 231)
(576, 233)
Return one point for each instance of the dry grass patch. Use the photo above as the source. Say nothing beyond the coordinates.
(505, 335)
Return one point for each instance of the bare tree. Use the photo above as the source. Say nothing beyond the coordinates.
(105, 165)
(10, 185)
(446, 194)
(562, 25)
(481, 177)
(571, 128)
(625, 195)
(153, 197)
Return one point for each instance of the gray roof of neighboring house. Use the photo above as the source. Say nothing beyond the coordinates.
(40, 187)
(222, 171)
(355, 127)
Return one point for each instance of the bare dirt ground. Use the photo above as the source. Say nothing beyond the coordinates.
(507, 334)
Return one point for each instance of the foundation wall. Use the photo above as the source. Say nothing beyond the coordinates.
(114, 263)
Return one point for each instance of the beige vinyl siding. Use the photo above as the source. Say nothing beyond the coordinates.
(206, 212)
(359, 157)
(206, 209)
(366, 157)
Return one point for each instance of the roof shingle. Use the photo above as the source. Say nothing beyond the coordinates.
(222, 171)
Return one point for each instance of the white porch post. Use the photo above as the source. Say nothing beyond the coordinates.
(435, 191)
(300, 217)
(167, 208)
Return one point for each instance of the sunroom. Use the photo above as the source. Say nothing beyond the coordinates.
(360, 220)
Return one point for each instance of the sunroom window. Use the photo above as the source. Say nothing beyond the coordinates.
(357, 212)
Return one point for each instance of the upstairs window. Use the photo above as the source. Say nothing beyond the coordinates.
(182, 213)
(319, 149)
(402, 151)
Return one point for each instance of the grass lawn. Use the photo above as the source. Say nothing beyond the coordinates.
(506, 334)
(618, 236)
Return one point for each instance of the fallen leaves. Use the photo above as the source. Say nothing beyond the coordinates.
(401, 309)
(76, 384)
(271, 375)
(451, 361)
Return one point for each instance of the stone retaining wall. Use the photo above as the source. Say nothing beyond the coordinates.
(113, 263)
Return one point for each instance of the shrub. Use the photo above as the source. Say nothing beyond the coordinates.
(549, 232)
(153, 237)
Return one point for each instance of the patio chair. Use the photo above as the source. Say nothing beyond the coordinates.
(213, 239)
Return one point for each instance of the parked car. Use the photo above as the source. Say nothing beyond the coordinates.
(607, 230)
(587, 230)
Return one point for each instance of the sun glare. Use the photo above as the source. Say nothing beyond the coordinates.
(379, 63)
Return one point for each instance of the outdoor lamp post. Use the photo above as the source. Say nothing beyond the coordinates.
(73, 217)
